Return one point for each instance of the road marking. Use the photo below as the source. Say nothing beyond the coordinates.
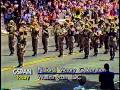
(28, 63)
(9, 68)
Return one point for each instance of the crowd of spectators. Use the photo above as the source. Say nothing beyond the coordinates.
(10, 10)
(64, 9)
(51, 10)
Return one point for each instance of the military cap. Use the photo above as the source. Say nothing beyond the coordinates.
(35, 17)
(11, 21)
(21, 29)
(23, 22)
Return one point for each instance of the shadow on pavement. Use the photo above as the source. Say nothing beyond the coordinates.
(104, 60)
(51, 46)
(52, 51)
(4, 55)
(39, 54)
(65, 85)
(77, 58)
(117, 57)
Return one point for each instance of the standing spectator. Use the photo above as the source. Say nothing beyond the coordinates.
(107, 79)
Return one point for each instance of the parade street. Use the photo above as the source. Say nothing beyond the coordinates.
(8, 63)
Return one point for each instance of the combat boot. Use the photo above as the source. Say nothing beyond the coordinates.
(77, 45)
(19, 66)
(56, 49)
(61, 54)
(66, 47)
(112, 58)
(106, 52)
(11, 54)
(100, 46)
(35, 54)
(86, 57)
(45, 52)
(95, 54)
(70, 52)
(81, 50)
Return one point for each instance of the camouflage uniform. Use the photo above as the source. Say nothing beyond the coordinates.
(101, 40)
(86, 43)
(77, 35)
(70, 35)
(35, 32)
(95, 43)
(45, 36)
(105, 36)
(21, 44)
(11, 28)
(66, 40)
(61, 34)
(66, 37)
(80, 37)
(56, 37)
(112, 42)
